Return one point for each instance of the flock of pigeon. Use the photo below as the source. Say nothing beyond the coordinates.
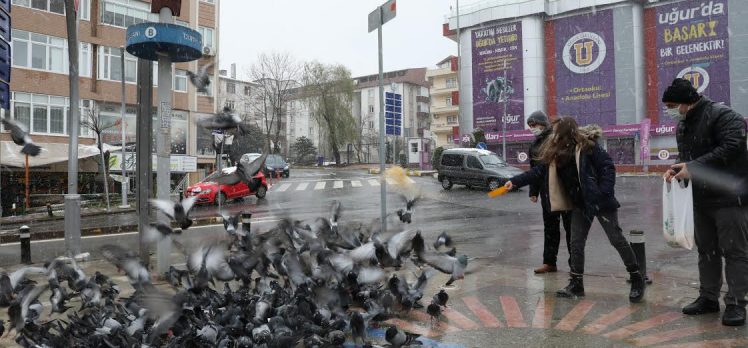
(297, 284)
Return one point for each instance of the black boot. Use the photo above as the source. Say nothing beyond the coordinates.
(702, 305)
(637, 287)
(574, 289)
(734, 316)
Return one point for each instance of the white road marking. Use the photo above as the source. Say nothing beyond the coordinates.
(302, 186)
(410, 180)
(355, 183)
(283, 187)
(391, 182)
(320, 185)
(338, 184)
(373, 182)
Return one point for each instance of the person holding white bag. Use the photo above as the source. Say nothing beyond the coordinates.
(712, 153)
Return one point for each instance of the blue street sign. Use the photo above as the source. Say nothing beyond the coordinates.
(393, 113)
(146, 40)
(5, 25)
(4, 60)
(481, 146)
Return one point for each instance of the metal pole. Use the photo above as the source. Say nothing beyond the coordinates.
(460, 121)
(28, 186)
(106, 180)
(2, 115)
(220, 167)
(382, 154)
(144, 159)
(163, 141)
(503, 120)
(125, 188)
(72, 198)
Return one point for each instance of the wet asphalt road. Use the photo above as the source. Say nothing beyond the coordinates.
(500, 303)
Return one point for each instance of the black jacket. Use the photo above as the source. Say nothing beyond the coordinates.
(593, 187)
(712, 141)
(539, 189)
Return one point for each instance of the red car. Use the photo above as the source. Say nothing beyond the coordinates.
(208, 192)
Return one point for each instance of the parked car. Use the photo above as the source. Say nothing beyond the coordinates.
(473, 167)
(209, 192)
(276, 165)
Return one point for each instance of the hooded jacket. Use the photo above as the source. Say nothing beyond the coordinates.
(539, 189)
(589, 184)
(712, 141)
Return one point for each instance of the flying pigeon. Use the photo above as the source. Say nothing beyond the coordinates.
(21, 137)
(179, 211)
(201, 79)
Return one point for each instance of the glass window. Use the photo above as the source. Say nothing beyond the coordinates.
(207, 34)
(247, 90)
(38, 56)
(57, 120)
(452, 160)
(39, 4)
(22, 112)
(57, 6)
(449, 101)
(123, 13)
(20, 53)
(40, 119)
(472, 162)
(180, 80)
(110, 65)
(230, 87)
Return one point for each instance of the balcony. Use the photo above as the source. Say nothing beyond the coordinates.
(442, 127)
(444, 109)
(437, 91)
(422, 99)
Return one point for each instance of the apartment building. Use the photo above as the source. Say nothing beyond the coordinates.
(445, 100)
(40, 90)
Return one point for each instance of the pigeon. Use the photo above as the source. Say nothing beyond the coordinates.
(441, 298)
(21, 137)
(223, 120)
(434, 311)
(397, 338)
(231, 224)
(443, 240)
(178, 212)
(18, 311)
(243, 172)
(406, 215)
(201, 79)
(158, 231)
(128, 262)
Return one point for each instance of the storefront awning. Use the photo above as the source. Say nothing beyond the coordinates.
(10, 154)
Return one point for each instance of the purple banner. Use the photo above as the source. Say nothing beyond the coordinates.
(585, 68)
(644, 139)
(692, 43)
(497, 52)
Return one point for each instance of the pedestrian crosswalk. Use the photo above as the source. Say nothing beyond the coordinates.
(329, 184)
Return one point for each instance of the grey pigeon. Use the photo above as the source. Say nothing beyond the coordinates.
(178, 211)
(21, 137)
(201, 79)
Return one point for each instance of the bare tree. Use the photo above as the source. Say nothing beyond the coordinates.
(275, 74)
(330, 94)
(94, 122)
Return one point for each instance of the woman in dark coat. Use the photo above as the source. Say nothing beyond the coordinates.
(581, 178)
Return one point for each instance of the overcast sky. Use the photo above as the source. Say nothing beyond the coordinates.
(334, 31)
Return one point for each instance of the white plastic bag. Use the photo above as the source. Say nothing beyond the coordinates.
(677, 214)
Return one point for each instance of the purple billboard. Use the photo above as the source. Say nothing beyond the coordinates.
(585, 68)
(497, 52)
(692, 43)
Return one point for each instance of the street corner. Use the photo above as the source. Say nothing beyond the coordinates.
(511, 316)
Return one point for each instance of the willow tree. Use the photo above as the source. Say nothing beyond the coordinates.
(328, 89)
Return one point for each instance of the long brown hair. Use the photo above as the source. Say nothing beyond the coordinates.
(562, 145)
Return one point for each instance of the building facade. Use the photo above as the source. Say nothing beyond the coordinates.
(445, 101)
(603, 61)
(40, 89)
(414, 88)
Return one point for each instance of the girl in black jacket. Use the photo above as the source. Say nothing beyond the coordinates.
(581, 178)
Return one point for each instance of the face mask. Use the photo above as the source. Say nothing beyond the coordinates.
(536, 131)
(674, 113)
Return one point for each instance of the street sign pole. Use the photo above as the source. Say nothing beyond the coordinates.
(163, 144)
(72, 198)
(143, 159)
(382, 130)
(122, 124)
(377, 18)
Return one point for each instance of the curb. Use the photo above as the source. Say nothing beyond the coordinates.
(11, 236)
(44, 217)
